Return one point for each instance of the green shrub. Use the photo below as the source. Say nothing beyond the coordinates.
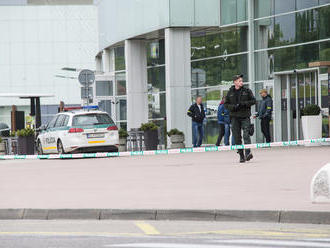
(311, 109)
(123, 133)
(0, 140)
(25, 132)
(12, 134)
(150, 126)
(174, 132)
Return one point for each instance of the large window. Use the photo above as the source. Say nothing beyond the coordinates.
(119, 58)
(120, 84)
(300, 27)
(156, 52)
(284, 59)
(264, 8)
(104, 88)
(227, 40)
(212, 72)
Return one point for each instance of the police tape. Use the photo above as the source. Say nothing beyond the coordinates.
(170, 151)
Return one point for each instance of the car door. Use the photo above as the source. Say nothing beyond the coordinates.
(48, 140)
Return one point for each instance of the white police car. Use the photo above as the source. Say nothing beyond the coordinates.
(79, 131)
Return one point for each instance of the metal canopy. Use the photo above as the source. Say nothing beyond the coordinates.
(25, 95)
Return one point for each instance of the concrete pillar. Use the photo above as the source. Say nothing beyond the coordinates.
(178, 80)
(136, 83)
(106, 60)
(98, 63)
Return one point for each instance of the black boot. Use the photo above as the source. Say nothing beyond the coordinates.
(248, 155)
(241, 156)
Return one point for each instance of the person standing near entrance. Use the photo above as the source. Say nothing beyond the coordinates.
(265, 113)
(239, 101)
(224, 123)
(197, 114)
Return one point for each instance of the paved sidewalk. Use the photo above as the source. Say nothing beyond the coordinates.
(277, 179)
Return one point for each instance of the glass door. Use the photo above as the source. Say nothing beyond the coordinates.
(297, 91)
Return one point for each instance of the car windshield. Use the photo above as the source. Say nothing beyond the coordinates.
(91, 119)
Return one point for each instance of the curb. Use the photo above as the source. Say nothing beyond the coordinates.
(275, 216)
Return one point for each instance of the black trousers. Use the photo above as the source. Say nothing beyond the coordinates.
(265, 128)
(239, 124)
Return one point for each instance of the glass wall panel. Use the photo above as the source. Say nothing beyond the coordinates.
(157, 105)
(303, 4)
(156, 52)
(324, 2)
(233, 11)
(325, 51)
(291, 29)
(323, 15)
(121, 109)
(120, 84)
(268, 62)
(104, 88)
(156, 79)
(119, 58)
(217, 71)
(219, 42)
(263, 8)
(282, 6)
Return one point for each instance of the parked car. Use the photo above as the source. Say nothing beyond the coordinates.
(4, 130)
(78, 131)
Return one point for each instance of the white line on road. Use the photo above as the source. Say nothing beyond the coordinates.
(175, 245)
(279, 243)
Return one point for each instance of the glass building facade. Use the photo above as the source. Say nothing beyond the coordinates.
(271, 42)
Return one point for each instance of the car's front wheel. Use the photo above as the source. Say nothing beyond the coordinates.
(60, 148)
(39, 148)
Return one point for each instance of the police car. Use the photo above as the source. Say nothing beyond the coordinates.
(79, 130)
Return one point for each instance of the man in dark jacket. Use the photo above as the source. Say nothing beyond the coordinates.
(239, 101)
(197, 114)
(224, 124)
(265, 113)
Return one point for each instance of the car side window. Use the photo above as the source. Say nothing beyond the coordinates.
(51, 124)
(66, 121)
(60, 121)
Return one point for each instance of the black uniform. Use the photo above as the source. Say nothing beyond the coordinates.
(239, 103)
(265, 115)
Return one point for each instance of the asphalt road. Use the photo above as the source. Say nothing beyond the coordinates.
(159, 234)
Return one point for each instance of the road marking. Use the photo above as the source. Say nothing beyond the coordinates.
(70, 234)
(147, 228)
(175, 245)
(273, 243)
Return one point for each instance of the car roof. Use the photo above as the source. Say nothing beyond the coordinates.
(82, 112)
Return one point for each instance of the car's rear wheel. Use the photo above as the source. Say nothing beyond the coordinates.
(39, 148)
(60, 148)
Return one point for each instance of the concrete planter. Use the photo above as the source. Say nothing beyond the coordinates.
(177, 141)
(122, 144)
(2, 148)
(312, 127)
(25, 145)
(151, 139)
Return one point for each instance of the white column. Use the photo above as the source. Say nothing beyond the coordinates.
(136, 83)
(98, 63)
(178, 80)
(106, 60)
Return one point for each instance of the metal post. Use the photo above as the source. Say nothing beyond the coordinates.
(288, 99)
(38, 113)
(297, 107)
(32, 106)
